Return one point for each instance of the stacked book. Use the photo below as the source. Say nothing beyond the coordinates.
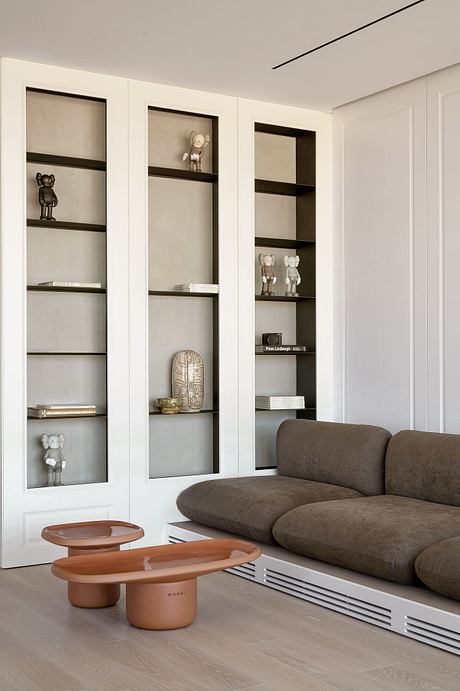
(70, 284)
(281, 349)
(280, 402)
(50, 410)
(197, 288)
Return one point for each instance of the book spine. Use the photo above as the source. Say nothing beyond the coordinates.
(60, 413)
(280, 349)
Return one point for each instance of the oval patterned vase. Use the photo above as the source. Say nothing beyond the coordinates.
(188, 380)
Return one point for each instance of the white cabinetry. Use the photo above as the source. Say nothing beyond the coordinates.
(40, 328)
(130, 218)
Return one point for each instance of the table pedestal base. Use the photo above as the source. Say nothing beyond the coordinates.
(159, 606)
(92, 596)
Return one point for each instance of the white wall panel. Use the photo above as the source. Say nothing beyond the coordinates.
(380, 354)
(443, 185)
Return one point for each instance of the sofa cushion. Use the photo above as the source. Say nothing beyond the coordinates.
(249, 506)
(378, 536)
(424, 465)
(438, 567)
(333, 452)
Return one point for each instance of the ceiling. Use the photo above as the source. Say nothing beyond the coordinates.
(231, 46)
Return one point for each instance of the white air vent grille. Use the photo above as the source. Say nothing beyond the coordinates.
(362, 609)
(431, 633)
(246, 570)
(174, 540)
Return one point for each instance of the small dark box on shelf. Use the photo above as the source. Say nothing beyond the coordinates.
(272, 339)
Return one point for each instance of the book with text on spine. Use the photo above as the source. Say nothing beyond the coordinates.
(281, 349)
(70, 284)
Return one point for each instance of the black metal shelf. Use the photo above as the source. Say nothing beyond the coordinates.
(62, 289)
(66, 417)
(291, 189)
(66, 161)
(210, 412)
(179, 174)
(284, 298)
(60, 352)
(180, 293)
(66, 225)
(283, 243)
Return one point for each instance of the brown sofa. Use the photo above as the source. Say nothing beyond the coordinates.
(353, 496)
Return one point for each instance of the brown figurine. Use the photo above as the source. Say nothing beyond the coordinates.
(198, 144)
(267, 262)
(46, 196)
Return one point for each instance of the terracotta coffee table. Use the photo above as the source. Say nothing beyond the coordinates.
(160, 581)
(91, 537)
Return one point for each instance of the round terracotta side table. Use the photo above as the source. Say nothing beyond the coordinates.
(91, 537)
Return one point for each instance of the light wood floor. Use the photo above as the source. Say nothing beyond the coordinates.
(245, 637)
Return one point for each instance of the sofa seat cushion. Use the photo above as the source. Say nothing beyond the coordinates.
(438, 567)
(249, 506)
(379, 536)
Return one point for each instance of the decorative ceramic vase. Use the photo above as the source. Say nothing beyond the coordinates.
(168, 405)
(188, 380)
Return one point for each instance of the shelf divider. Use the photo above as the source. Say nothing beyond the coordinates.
(180, 293)
(291, 189)
(66, 161)
(66, 225)
(63, 289)
(284, 298)
(181, 174)
(283, 243)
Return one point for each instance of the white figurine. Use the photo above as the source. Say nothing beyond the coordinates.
(292, 279)
(198, 144)
(54, 458)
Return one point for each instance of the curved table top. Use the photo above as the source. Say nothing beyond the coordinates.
(159, 564)
(92, 534)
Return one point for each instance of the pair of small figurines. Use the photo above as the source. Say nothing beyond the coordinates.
(292, 277)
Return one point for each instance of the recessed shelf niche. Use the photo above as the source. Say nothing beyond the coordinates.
(284, 225)
(183, 245)
(66, 327)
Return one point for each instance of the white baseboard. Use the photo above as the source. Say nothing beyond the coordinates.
(401, 609)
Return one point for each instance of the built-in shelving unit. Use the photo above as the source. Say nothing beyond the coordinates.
(67, 346)
(183, 239)
(284, 225)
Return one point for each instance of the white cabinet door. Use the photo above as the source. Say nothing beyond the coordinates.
(161, 119)
(443, 195)
(26, 508)
(381, 291)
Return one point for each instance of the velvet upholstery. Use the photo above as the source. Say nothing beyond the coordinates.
(438, 567)
(379, 536)
(424, 465)
(249, 506)
(336, 453)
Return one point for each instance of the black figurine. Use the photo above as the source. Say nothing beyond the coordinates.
(46, 196)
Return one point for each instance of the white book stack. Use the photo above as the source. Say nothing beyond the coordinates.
(197, 287)
(280, 402)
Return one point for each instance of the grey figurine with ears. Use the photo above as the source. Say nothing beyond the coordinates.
(292, 279)
(54, 458)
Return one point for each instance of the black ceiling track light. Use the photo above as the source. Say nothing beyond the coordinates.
(349, 33)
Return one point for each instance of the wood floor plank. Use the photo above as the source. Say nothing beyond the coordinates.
(245, 638)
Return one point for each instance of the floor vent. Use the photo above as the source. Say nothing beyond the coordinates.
(431, 633)
(362, 609)
(174, 540)
(245, 570)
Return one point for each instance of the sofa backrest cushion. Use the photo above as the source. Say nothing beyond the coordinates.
(338, 453)
(424, 465)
